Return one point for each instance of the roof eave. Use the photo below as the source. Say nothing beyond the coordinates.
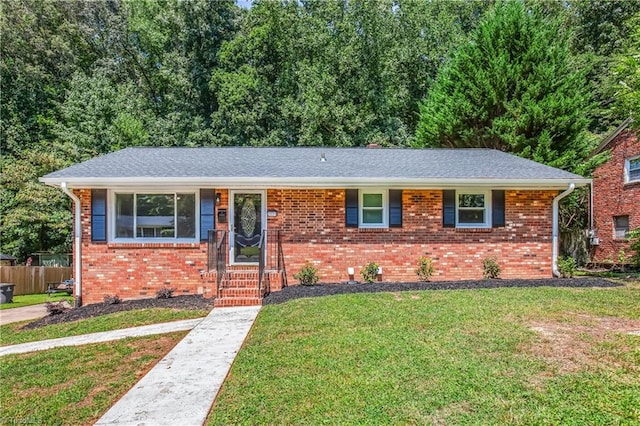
(611, 136)
(333, 182)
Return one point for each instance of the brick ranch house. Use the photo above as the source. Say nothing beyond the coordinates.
(235, 223)
(616, 195)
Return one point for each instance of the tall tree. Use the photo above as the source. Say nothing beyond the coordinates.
(82, 78)
(513, 87)
(602, 31)
(42, 44)
(625, 75)
(333, 72)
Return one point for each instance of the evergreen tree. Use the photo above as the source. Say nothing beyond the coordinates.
(513, 87)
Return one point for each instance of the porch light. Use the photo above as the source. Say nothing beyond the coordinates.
(217, 198)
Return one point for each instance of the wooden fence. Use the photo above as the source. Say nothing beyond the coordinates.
(33, 279)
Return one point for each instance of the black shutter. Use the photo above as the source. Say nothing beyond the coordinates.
(207, 212)
(351, 208)
(497, 208)
(98, 215)
(395, 208)
(449, 208)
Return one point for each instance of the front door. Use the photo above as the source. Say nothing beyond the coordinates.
(246, 225)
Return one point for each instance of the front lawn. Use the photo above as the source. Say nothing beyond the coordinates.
(36, 299)
(493, 356)
(75, 385)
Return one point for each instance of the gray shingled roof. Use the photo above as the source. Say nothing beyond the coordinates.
(272, 166)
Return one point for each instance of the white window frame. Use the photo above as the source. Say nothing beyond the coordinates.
(487, 208)
(385, 207)
(112, 215)
(627, 170)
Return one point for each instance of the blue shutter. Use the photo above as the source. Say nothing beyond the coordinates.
(395, 208)
(497, 208)
(449, 208)
(351, 208)
(98, 215)
(207, 212)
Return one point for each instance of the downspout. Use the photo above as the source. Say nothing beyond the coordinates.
(591, 207)
(77, 246)
(555, 231)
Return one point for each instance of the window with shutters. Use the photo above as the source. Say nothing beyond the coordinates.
(632, 170)
(373, 208)
(473, 209)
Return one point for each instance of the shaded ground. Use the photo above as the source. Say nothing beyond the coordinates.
(88, 311)
(297, 292)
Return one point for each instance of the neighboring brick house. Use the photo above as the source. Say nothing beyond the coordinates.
(616, 195)
(146, 215)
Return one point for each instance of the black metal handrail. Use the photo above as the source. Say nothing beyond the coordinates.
(271, 256)
(261, 260)
(221, 260)
(280, 260)
(217, 254)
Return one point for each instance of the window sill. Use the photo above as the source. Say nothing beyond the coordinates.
(474, 230)
(632, 184)
(373, 230)
(142, 245)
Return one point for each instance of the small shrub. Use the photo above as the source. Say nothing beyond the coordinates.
(370, 272)
(490, 268)
(165, 293)
(56, 308)
(112, 300)
(567, 266)
(308, 274)
(622, 259)
(425, 268)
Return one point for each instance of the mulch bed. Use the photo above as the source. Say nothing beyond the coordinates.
(297, 292)
(194, 302)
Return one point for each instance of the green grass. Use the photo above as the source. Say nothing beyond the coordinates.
(75, 385)
(36, 299)
(11, 334)
(440, 357)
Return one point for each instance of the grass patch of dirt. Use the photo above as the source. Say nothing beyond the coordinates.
(571, 345)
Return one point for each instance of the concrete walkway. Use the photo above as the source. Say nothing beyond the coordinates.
(22, 314)
(181, 388)
(105, 336)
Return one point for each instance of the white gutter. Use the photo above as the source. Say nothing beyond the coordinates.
(315, 182)
(77, 246)
(554, 249)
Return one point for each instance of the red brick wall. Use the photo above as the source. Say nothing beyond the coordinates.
(313, 228)
(612, 197)
(137, 270)
(312, 224)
